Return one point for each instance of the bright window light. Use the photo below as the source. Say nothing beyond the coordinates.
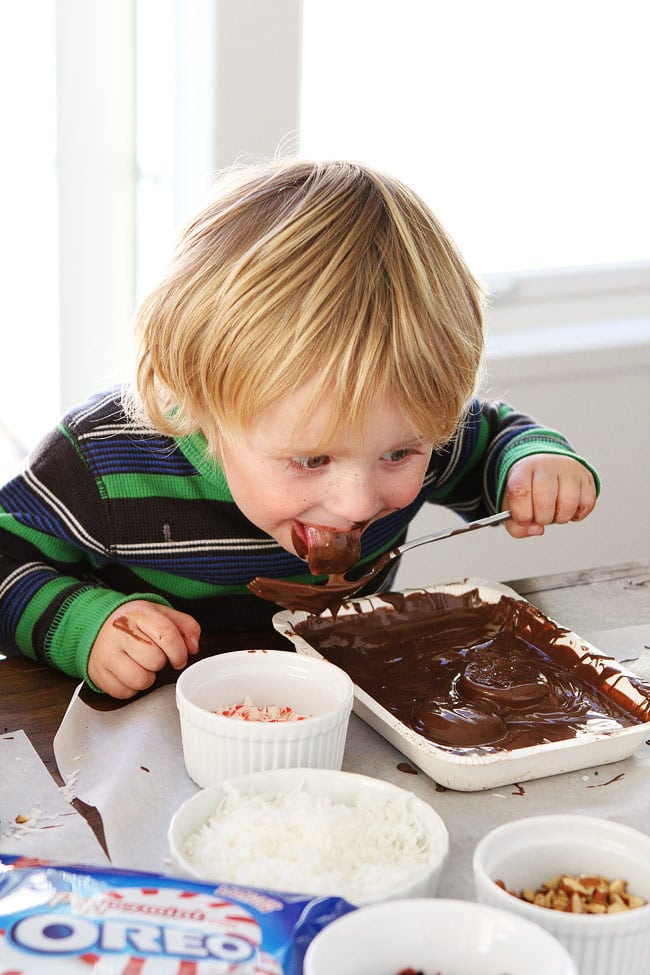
(28, 245)
(521, 124)
(155, 134)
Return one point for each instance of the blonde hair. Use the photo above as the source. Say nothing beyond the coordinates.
(300, 271)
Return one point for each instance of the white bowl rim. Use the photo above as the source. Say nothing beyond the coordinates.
(443, 906)
(294, 776)
(234, 656)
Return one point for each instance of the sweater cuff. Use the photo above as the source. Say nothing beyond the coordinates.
(540, 442)
(78, 624)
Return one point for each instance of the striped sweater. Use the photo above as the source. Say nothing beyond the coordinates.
(106, 512)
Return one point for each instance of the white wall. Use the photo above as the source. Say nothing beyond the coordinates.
(599, 399)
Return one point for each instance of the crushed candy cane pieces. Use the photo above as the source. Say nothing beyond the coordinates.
(247, 711)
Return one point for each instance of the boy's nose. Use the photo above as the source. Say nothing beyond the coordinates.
(354, 499)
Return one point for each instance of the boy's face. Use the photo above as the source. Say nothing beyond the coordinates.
(284, 483)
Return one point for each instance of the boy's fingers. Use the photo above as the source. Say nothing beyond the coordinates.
(124, 679)
(568, 501)
(519, 500)
(544, 497)
(584, 508)
(152, 636)
(136, 642)
(186, 625)
(587, 500)
(523, 530)
(545, 490)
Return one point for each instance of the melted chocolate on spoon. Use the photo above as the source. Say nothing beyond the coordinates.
(336, 553)
(331, 552)
(328, 552)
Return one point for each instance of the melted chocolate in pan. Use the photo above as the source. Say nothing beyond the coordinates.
(466, 673)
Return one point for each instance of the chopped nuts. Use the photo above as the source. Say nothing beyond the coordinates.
(580, 895)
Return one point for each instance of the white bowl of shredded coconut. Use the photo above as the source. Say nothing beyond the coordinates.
(312, 831)
(251, 710)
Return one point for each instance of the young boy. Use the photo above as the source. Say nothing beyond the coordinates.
(308, 365)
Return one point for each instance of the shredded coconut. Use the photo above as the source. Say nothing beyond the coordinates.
(68, 791)
(296, 842)
(247, 711)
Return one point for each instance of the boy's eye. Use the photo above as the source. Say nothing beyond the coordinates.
(312, 463)
(395, 456)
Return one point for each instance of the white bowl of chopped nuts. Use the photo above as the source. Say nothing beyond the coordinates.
(585, 880)
(252, 710)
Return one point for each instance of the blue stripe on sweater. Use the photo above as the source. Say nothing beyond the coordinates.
(19, 596)
(220, 569)
(28, 509)
(125, 456)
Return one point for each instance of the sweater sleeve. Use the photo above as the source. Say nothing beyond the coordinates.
(475, 464)
(53, 536)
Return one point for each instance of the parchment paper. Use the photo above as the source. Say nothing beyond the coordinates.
(49, 828)
(128, 763)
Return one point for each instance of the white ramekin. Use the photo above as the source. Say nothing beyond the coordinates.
(530, 851)
(453, 937)
(216, 747)
(422, 879)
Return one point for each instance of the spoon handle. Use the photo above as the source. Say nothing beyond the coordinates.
(448, 532)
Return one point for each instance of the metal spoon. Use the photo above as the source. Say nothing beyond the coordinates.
(315, 598)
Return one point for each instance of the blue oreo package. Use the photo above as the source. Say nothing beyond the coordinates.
(62, 919)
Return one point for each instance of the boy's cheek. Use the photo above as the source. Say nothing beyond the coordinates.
(406, 494)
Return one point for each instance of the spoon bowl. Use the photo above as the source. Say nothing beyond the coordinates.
(317, 597)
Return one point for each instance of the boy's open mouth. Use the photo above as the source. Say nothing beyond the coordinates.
(327, 551)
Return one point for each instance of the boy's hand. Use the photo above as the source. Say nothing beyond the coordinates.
(137, 641)
(544, 489)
